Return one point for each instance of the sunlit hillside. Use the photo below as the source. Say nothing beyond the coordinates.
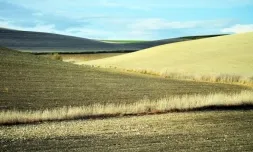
(232, 55)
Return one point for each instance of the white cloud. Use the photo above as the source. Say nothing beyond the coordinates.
(50, 28)
(38, 27)
(4, 24)
(130, 29)
(157, 24)
(239, 28)
(86, 32)
(42, 28)
(162, 4)
(134, 35)
(158, 4)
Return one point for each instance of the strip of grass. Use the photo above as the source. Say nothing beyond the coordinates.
(184, 103)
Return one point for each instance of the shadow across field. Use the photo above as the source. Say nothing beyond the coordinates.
(224, 108)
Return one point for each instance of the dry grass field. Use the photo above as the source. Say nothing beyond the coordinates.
(224, 58)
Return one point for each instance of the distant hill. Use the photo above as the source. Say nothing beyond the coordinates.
(38, 42)
(232, 54)
(124, 41)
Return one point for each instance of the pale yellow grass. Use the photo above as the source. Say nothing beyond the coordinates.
(229, 56)
(87, 57)
(211, 77)
(176, 103)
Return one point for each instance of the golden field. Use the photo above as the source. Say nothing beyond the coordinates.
(225, 57)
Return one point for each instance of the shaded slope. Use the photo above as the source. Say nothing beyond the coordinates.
(47, 42)
(37, 42)
(35, 83)
(231, 54)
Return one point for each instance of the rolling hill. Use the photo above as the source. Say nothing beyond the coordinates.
(33, 82)
(224, 55)
(38, 42)
(34, 86)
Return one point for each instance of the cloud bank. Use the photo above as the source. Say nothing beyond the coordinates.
(132, 19)
(238, 28)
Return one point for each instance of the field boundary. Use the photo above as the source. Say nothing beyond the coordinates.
(211, 78)
(243, 100)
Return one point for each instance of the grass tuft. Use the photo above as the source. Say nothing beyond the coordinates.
(56, 56)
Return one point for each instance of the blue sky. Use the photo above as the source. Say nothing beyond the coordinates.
(131, 19)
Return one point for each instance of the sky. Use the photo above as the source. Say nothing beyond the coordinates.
(128, 19)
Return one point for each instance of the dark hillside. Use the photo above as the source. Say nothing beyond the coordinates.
(38, 42)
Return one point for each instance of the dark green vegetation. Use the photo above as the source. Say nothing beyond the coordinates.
(185, 37)
(33, 82)
(38, 42)
(200, 131)
(124, 41)
(201, 36)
